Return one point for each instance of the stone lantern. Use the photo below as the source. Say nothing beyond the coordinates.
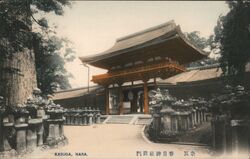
(231, 121)
(54, 125)
(156, 119)
(20, 115)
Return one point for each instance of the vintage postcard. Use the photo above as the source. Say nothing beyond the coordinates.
(124, 79)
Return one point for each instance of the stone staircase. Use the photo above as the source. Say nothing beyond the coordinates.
(143, 121)
(139, 119)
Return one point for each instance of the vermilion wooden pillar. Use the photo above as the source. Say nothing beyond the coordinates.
(145, 91)
(107, 100)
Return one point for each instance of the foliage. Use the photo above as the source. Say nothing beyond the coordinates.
(16, 17)
(159, 96)
(233, 33)
(233, 102)
(206, 44)
(198, 41)
(18, 32)
(50, 62)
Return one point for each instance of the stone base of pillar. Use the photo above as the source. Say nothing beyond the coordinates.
(21, 138)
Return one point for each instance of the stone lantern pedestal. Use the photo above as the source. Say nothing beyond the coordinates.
(90, 118)
(71, 117)
(7, 128)
(193, 118)
(6, 151)
(76, 119)
(156, 124)
(2, 133)
(240, 138)
(80, 117)
(156, 119)
(54, 125)
(21, 138)
(40, 132)
(98, 117)
(85, 119)
(55, 134)
(67, 120)
(61, 130)
(166, 114)
(219, 133)
(20, 115)
(34, 133)
(41, 116)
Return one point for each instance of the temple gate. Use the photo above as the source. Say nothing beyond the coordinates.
(135, 63)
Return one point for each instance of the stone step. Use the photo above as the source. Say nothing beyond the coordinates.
(128, 119)
(119, 119)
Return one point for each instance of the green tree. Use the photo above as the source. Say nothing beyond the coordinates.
(51, 55)
(197, 39)
(233, 34)
(17, 41)
(206, 44)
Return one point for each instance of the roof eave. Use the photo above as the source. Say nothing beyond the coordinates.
(92, 60)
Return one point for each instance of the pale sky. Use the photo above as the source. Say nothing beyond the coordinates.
(94, 26)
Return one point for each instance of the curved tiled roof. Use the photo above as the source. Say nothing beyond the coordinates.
(72, 93)
(198, 74)
(145, 38)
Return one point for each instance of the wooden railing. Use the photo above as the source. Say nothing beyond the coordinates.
(141, 69)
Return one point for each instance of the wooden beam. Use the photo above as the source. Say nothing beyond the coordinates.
(135, 73)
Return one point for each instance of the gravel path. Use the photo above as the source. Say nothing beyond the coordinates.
(116, 141)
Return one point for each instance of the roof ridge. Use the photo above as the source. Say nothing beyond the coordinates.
(210, 66)
(145, 31)
(74, 89)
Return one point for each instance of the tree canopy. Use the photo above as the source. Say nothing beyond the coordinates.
(233, 34)
(18, 31)
(51, 55)
(197, 39)
(206, 44)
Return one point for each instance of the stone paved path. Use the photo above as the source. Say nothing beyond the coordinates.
(115, 141)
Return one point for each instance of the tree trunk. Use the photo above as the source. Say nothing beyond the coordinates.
(17, 77)
(18, 71)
